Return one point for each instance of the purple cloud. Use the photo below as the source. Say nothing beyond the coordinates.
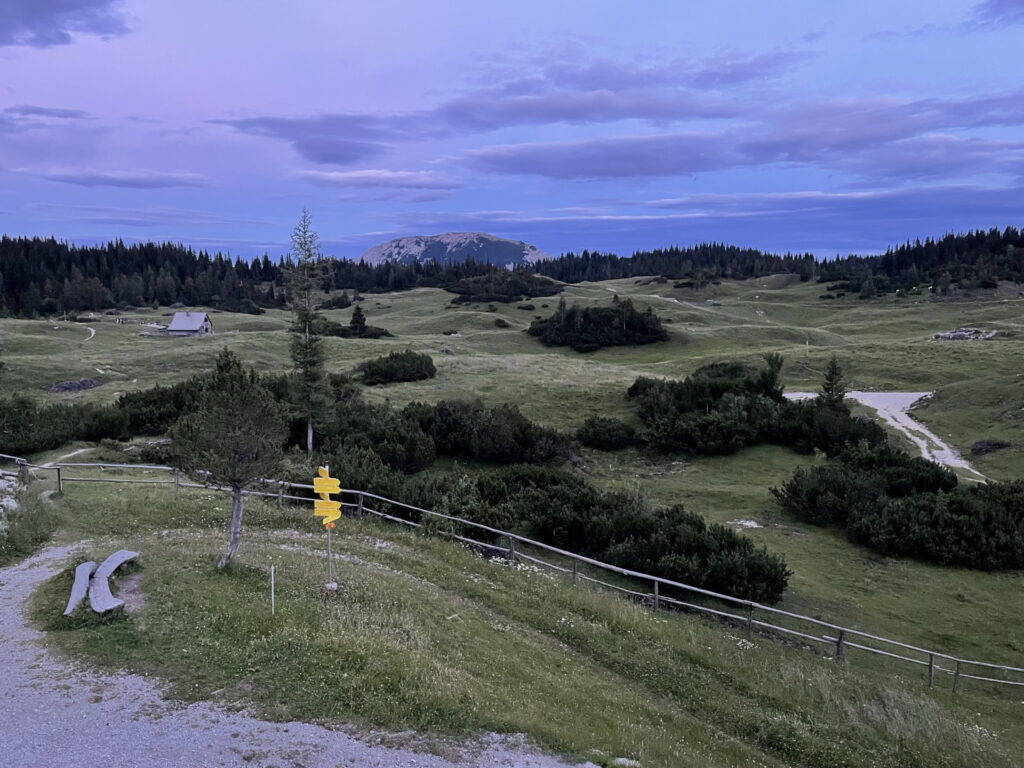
(31, 110)
(676, 154)
(134, 217)
(702, 74)
(832, 134)
(999, 12)
(380, 184)
(26, 116)
(483, 111)
(380, 178)
(338, 139)
(46, 23)
(126, 179)
(598, 90)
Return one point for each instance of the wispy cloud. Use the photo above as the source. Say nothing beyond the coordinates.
(857, 135)
(24, 117)
(380, 184)
(46, 23)
(998, 12)
(125, 179)
(133, 217)
(544, 91)
(381, 178)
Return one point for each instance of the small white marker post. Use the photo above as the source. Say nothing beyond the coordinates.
(272, 605)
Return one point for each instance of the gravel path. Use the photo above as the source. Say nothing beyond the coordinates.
(54, 715)
(893, 407)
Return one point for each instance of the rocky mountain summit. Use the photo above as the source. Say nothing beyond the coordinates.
(455, 246)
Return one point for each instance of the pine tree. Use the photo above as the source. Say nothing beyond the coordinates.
(358, 321)
(833, 389)
(234, 437)
(309, 380)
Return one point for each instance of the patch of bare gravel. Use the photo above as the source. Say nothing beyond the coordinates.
(54, 714)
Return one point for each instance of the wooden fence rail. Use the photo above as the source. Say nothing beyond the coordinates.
(744, 613)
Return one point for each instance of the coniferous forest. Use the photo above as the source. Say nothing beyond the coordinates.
(45, 276)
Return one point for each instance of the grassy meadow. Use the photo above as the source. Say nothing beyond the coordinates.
(424, 635)
(668, 691)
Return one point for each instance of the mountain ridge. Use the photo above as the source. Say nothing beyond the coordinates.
(454, 247)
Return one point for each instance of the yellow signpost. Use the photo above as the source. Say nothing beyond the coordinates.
(329, 510)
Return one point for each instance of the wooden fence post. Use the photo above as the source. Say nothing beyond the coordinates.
(511, 550)
(359, 511)
(956, 677)
(177, 482)
(750, 617)
(839, 644)
(657, 597)
(574, 565)
(280, 495)
(60, 481)
(931, 670)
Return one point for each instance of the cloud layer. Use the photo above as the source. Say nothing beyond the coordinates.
(46, 23)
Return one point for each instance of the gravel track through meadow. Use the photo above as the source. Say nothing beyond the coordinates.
(54, 714)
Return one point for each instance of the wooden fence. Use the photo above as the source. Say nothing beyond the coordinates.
(655, 591)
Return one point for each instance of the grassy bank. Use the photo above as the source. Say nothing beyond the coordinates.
(424, 635)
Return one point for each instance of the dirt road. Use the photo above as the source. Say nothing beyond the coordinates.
(893, 407)
(54, 715)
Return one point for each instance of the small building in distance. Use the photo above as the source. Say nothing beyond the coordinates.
(189, 324)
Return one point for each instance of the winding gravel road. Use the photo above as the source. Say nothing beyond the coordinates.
(893, 407)
(53, 715)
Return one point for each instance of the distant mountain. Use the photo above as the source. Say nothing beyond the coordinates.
(455, 246)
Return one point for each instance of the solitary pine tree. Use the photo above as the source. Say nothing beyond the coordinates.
(833, 389)
(358, 321)
(234, 437)
(308, 391)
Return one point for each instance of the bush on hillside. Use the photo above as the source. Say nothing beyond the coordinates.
(341, 301)
(607, 434)
(504, 286)
(724, 407)
(399, 366)
(586, 329)
(469, 429)
(896, 504)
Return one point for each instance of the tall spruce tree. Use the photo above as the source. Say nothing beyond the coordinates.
(308, 391)
(358, 321)
(234, 437)
(833, 389)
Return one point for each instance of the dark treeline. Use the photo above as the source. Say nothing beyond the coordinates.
(966, 261)
(45, 276)
(707, 260)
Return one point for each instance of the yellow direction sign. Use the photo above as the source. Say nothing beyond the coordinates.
(325, 507)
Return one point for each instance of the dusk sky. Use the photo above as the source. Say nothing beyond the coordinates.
(792, 125)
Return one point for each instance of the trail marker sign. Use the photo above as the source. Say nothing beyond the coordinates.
(325, 507)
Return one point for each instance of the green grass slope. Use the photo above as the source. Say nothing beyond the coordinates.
(423, 634)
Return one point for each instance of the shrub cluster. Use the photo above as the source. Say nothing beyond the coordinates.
(399, 366)
(502, 285)
(469, 429)
(607, 434)
(562, 509)
(724, 407)
(588, 328)
(341, 301)
(899, 505)
(323, 326)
